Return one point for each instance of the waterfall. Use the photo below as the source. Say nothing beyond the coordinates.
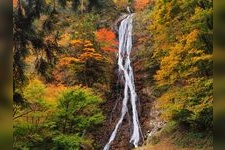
(125, 69)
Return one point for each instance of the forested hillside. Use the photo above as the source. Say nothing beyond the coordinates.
(178, 38)
(68, 90)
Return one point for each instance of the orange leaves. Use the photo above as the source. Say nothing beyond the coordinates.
(107, 39)
(15, 3)
(67, 60)
(105, 35)
(89, 52)
(52, 92)
(87, 55)
(74, 42)
(141, 4)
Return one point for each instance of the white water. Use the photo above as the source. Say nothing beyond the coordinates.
(124, 63)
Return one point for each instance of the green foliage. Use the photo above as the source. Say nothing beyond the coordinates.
(77, 113)
(29, 118)
(78, 110)
(34, 91)
(70, 142)
(65, 126)
(26, 136)
(182, 115)
(34, 105)
(205, 118)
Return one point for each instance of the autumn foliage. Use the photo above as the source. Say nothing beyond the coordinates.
(121, 3)
(15, 3)
(107, 39)
(65, 71)
(183, 50)
(89, 52)
(141, 4)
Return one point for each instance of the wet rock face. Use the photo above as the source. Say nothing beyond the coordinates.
(117, 22)
(121, 141)
(112, 109)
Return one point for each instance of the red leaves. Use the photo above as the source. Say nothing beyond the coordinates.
(107, 39)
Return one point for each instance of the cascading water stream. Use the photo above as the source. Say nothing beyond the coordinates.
(125, 69)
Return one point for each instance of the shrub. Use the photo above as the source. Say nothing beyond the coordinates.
(78, 110)
(69, 142)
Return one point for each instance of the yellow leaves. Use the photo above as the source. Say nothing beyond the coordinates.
(89, 52)
(87, 55)
(64, 39)
(187, 97)
(167, 10)
(181, 60)
(89, 49)
(191, 37)
(202, 58)
(169, 64)
(34, 91)
(167, 103)
(195, 51)
(75, 41)
(182, 47)
(52, 92)
(88, 44)
(198, 10)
